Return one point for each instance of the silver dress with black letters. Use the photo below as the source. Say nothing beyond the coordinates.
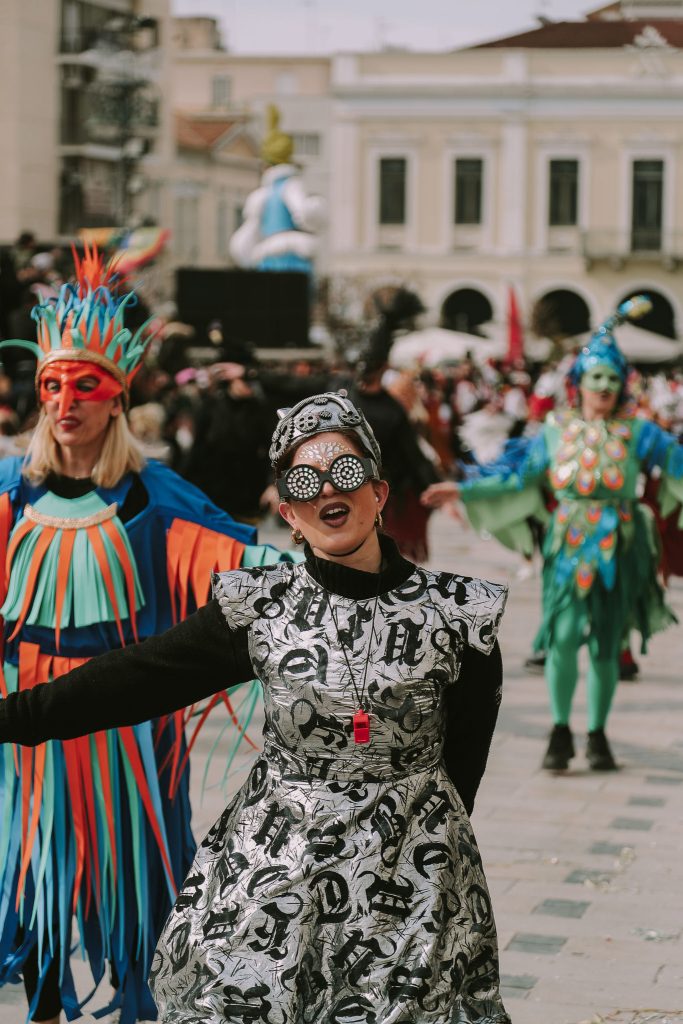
(342, 884)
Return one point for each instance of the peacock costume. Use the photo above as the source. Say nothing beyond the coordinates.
(600, 552)
(97, 828)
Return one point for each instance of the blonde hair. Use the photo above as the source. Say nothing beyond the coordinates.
(120, 453)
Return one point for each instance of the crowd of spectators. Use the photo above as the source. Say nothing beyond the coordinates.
(206, 405)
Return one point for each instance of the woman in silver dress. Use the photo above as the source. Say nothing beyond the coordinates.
(342, 884)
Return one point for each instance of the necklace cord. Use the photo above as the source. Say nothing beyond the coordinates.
(360, 696)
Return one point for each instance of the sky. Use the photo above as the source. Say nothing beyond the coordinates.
(326, 26)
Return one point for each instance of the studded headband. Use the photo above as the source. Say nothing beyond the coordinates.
(320, 414)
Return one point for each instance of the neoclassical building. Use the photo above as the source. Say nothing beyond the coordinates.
(551, 161)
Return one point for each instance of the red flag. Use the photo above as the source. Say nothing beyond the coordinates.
(515, 336)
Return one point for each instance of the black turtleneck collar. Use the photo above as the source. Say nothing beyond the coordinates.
(68, 486)
(355, 583)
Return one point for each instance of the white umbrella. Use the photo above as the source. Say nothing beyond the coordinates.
(641, 346)
(435, 346)
(536, 349)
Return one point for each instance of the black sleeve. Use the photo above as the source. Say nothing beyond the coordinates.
(193, 660)
(416, 466)
(471, 709)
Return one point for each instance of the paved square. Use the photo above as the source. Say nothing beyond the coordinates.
(632, 824)
(562, 908)
(619, 960)
(529, 942)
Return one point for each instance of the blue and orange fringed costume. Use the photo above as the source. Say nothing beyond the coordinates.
(96, 830)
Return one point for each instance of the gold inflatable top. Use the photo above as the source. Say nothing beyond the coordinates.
(277, 147)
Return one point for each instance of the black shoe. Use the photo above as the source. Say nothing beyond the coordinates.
(535, 665)
(598, 753)
(560, 749)
(628, 668)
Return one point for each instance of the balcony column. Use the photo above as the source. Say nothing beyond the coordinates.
(513, 185)
(344, 212)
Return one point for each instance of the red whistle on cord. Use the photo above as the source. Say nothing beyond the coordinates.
(361, 727)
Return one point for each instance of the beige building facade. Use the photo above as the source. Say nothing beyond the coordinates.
(549, 167)
(29, 117)
(550, 162)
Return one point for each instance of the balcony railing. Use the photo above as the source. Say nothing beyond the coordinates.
(117, 33)
(77, 42)
(617, 248)
(108, 113)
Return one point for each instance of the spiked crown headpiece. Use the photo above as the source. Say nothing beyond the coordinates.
(602, 349)
(86, 323)
(319, 414)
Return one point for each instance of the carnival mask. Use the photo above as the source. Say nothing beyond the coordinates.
(68, 381)
(602, 378)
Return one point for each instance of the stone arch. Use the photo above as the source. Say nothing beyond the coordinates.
(560, 313)
(466, 309)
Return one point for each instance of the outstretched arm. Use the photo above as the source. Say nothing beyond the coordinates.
(515, 477)
(195, 659)
(657, 448)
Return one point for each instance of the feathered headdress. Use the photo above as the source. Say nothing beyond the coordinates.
(602, 349)
(86, 322)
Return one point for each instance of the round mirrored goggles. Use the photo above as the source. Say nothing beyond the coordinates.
(345, 473)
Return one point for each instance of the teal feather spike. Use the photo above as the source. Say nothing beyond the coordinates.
(65, 301)
(119, 312)
(120, 339)
(77, 338)
(55, 332)
(134, 355)
(133, 358)
(32, 346)
(47, 314)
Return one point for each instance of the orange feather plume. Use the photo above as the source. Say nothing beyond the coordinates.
(92, 272)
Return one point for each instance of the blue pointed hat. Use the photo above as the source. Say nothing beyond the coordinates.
(602, 349)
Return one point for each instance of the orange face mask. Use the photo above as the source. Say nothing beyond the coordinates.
(67, 381)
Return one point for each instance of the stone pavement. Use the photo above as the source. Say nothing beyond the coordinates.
(584, 869)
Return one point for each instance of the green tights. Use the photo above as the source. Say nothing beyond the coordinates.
(562, 671)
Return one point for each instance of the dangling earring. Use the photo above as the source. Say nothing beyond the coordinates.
(297, 537)
(379, 522)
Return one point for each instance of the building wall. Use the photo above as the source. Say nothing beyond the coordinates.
(251, 79)
(215, 187)
(516, 110)
(32, 67)
(29, 118)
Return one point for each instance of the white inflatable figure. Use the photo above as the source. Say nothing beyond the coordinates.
(279, 218)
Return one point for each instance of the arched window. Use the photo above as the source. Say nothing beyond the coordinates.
(466, 309)
(560, 314)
